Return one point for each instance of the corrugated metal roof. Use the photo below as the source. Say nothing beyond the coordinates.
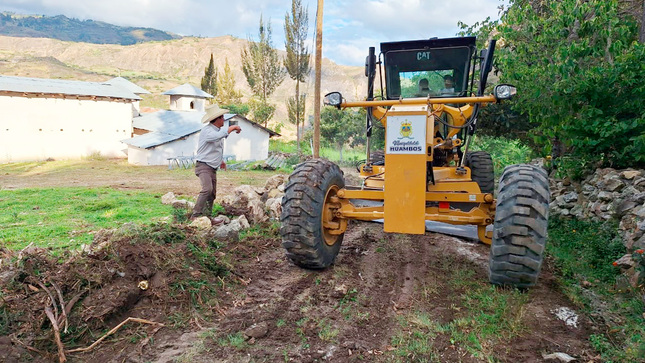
(150, 139)
(187, 89)
(122, 82)
(167, 126)
(65, 87)
(180, 123)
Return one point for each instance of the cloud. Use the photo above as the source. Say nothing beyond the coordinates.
(350, 26)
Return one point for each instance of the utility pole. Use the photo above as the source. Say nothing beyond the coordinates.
(318, 62)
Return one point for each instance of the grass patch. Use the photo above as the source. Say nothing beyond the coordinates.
(350, 155)
(584, 251)
(67, 217)
(484, 316)
(236, 341)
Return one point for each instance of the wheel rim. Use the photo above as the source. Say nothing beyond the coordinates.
(328, 216)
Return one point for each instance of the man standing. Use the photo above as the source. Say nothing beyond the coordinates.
(210, 151)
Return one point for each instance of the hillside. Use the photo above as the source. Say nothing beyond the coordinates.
(70, 29)
(159, 66)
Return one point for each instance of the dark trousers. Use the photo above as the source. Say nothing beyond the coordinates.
(208, 179)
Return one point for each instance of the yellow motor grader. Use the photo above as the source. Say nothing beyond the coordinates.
(429, 107)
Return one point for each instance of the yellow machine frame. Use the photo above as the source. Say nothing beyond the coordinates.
(406, 206)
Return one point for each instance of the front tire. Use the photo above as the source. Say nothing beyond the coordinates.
(520, 229)
(310, 187)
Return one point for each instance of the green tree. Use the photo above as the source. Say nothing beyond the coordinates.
(342, 127)
(262, 110)
(297, 59)
(295, 112)
(579, 70)
(209, 81)
(238, 108)
(227, 94)
(263, 70)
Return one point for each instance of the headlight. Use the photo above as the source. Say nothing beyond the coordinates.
(504, 91)
(333, 99)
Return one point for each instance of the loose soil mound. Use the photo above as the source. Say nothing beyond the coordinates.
(158, 273)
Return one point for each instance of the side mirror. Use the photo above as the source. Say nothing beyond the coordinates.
(333, 99)
(504, 91)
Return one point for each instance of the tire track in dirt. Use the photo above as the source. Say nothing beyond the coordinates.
(352, 311)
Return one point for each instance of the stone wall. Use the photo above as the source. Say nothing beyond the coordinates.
(605, 195)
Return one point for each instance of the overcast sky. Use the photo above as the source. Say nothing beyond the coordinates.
(349, 26)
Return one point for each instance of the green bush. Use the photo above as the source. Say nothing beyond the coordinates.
(504, 151)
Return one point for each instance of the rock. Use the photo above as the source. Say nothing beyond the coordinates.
(339, 291)
(274, 181)
(638, 244)
(181, 203)
(613, 185)
(257, 330)
(577, 211)
(244, 223)
(256, 210)
(566, 181)
(168, 198)
(623, 207)
(640, 212)
(587, 189)
(560, 202)
(274, 207)
(570, 197)
(245, 193)
(274, 193)
(605, 196)
(281, 187)
(625, 262)
(630, 174)
(201, 223)
(226, 219)
(562, 357)
(225, 231)
(636, 279)
(639, 183)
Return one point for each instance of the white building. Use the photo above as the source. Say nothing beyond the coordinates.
(59, 119)
(187, 97)
(168, 135)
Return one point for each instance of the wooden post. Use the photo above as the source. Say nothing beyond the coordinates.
(318, 62)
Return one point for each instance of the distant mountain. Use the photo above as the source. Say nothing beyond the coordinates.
(160, 66)
(69, 29)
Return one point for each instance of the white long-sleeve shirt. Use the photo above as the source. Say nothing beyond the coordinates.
(210, 148)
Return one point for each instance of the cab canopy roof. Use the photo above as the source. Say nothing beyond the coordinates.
(429, 44)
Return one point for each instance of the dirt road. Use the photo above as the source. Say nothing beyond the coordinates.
(388, 298)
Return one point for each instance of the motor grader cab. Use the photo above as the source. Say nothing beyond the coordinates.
(429, 105)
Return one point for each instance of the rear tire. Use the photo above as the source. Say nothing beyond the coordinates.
(306, 241)
(481, 170)
(520, 229)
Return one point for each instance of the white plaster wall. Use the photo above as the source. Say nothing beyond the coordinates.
(251, 144)
(30, 128)
(159, 155)
(182, 103)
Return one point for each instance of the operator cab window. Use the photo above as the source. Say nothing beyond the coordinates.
(437, 72)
